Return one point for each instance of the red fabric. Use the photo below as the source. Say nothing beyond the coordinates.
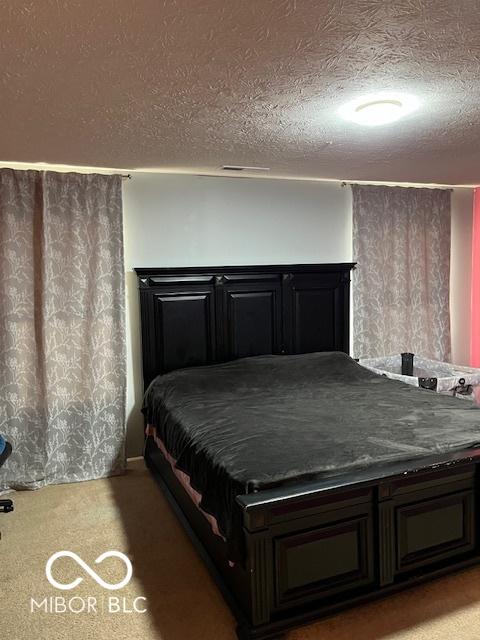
(475, 327)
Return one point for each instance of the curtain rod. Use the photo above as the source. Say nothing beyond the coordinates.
(402, 186)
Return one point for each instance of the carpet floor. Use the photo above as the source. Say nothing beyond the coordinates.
(130, 514)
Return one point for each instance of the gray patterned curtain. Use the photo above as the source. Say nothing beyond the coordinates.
(401, 241)
(62, 344)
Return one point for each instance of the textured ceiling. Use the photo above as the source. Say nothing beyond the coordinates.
(202, 83)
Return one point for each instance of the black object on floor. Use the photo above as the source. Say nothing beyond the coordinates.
(6, 506)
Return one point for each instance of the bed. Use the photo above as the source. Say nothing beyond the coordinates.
(307, 482)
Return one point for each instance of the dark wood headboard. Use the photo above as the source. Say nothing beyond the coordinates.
(205, 315)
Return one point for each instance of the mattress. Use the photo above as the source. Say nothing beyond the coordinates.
(260, 422)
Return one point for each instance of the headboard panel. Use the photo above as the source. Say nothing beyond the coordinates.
(204, 315)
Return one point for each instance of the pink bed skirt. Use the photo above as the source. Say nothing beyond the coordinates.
(184, 480)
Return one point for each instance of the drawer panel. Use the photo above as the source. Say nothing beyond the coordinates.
(325, 560)
(434, 529)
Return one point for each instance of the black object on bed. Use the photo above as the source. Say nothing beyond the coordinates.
(257, 423)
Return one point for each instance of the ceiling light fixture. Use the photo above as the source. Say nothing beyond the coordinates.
(379, 108)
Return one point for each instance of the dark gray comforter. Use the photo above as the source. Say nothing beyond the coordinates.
(258, 422)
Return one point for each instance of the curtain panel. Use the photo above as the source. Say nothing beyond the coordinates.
(475, 320)
(62, 342)
(401, 243)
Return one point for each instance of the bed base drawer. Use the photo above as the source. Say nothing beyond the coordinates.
(434, 530)
(420, 530)
(324, 560)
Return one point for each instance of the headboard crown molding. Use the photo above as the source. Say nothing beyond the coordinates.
(143, 272)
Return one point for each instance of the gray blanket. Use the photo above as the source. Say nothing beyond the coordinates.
(259, 422)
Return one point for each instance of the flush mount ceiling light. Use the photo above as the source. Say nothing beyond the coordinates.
(379, 108)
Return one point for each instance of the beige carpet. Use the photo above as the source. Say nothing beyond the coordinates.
(130, 514)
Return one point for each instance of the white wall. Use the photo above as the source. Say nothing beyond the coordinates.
(174, 220)
(461, 274)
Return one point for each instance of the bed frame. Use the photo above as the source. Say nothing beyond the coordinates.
(313, 548)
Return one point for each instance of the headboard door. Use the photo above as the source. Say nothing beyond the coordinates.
(178, 324)
(250, 306)
(317, 311)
